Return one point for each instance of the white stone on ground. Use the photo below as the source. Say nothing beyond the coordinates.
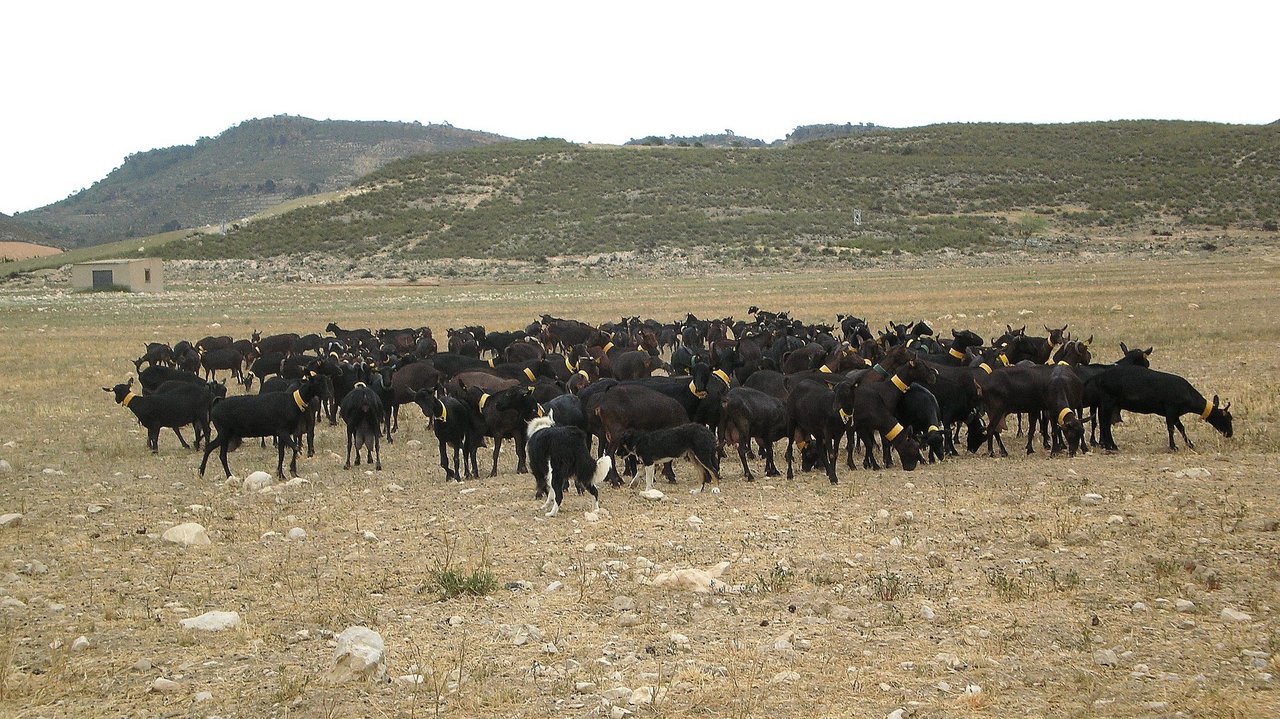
(13, 519)
(652, 494)
(202, 697)
(360, 654)
(163, 686)
(1234, 615)
(296, 533)
(257, 481)
(212, 621)
(190, 534)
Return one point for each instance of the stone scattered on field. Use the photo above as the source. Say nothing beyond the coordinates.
(1106, 658)
(618, 712)
(896, 714)
(1192, 473)
(652, 494)
(12, 603)
(1139, 607)
(1186, 606)
(5, 467)
(1038, 540)
(1091, 499)
(1115, 519)
(368, 536)
(163, 686)
(189, 534)
(927, 613)
(628, 619)
(80, 644)
(622, 603)
(413, 444)
(212, 621)
(296, 533)
(142, 665)
(202, 697)
(785, 677)
(13, 519)
(645, 695)
(360, 654)
(258, 481)
(520, 634)
(678, 639)
(554, 586)
(694, 520)
(1234, 615)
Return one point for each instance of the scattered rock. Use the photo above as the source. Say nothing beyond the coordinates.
(142, 665)
(360, 654)
(694, 520)
(1091, 499)
(1106, 658)
(12, 603)
(652, 494)
(1038, 540)
(190, 534)
(1186, 606)
(163, 686)
(785, 677)
(368, 536)
(1231, 615)
(202, 697)
(296, 533)
(628, 619)
(257, 481)
(81, 643)
(10, 520)
(1139, 607)
(5, 467)
(212, 621)
(927, 613)
(554, 586)
(678, 639)
(623, 604)
(413, 444)
(1192, 473)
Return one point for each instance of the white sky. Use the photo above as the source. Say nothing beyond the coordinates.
(86, 83)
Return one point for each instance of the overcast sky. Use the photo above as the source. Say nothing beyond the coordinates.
(86, 83)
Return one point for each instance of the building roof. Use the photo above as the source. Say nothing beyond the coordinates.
(117, 262)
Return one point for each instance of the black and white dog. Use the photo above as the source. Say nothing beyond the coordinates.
(562, 452)
(692, 441)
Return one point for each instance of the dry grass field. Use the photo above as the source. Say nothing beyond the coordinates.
(974, 587)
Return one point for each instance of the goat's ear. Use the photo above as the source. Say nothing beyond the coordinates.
(1147, 352)
(954, 333)
(1088, 341)
(1046, 329)
(1123, 349)
(1215, 400)
(106, 389)
(130, 382)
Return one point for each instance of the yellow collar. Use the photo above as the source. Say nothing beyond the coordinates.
(1004, 359)
(956, 353)
(127, 399)
(361, 384)
(723, 377)
(570, 367)
(1208, 410)
(893, 433)
(607, 346)
(297, 399)
(845, 417)
(1064, 363)
(934, 428)
(985, 367)
(584, 374)
(693, 389)
(541, 412)
(867, 362)
(529, 373)
(491, 361)
(1063, 415)
(825, 368)
(484, 397)
(902, 386)
(444, 413)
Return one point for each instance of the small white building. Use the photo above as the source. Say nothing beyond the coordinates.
(141, 275)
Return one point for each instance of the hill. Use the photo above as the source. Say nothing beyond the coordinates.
(15, 230)
(244, 170)
(960, 185)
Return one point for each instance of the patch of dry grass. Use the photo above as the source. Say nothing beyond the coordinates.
(828, 620)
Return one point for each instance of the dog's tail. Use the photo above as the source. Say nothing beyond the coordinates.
(603, 465)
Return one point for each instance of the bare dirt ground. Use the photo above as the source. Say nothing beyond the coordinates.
(1026, 586)
(24, 250)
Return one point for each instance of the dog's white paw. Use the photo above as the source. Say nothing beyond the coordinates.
(715, 490)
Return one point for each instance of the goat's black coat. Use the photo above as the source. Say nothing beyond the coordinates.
(362, 411)
(157, 411)
(275, 414)
(1147, 391)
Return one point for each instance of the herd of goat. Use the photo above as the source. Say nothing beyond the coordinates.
(557, 384)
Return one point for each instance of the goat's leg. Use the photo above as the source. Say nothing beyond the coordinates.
(743, 444)
(497, 447)
(669, 473)
(222, 455)
(790, 455)
(521, 439)
(444, 458)
(1032, 418)
(180, 438)
(349, 442)
(770, 467)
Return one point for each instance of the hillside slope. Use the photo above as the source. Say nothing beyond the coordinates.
(919, 189)
(244, 170)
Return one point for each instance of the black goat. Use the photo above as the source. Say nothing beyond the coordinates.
(156, 375)
(455, 425)
(155, 412)
(1146, 391)
(748, 414)
(202, 397)
(918, 408)
(362, 411)
(275, 414)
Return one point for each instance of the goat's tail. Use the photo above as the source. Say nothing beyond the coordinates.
(603, 465)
